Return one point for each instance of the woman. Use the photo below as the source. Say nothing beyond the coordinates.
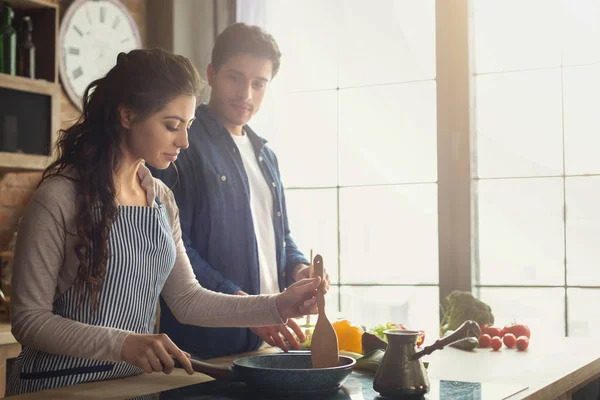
(101, 240)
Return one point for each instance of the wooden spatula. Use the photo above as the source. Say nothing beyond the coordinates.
(324, 351)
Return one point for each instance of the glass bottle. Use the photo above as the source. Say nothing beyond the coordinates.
(8, 41)
(26, 50)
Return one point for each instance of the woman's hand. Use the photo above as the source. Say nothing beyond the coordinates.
(303, 271)
(154, 353)
(299, 299)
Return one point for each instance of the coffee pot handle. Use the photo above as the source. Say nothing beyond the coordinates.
(467, 330)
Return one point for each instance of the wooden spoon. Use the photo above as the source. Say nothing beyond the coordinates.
(310, 275)
(324, 350)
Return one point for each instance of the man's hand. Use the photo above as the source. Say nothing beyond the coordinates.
(303, 271)
(272, 334)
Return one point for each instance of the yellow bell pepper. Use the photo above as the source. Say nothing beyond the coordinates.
(349, 336)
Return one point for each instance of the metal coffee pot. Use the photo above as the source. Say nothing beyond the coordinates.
(401, 372)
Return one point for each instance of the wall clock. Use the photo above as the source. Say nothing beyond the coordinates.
(92, 34)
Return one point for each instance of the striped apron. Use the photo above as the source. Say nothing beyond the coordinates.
(142, 254)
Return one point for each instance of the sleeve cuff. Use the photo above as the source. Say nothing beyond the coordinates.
(119, 339)
(277, 320)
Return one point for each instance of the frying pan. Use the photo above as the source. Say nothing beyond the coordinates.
(284, 373)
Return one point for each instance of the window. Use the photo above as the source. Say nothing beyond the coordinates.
(354, 117)
(537, 129)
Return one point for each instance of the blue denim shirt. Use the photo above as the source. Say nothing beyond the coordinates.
(213, 197)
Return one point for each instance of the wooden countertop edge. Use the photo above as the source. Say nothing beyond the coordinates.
(133, 386)
(565, 384)
(119, 389)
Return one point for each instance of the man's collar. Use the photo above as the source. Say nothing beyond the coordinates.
(216, 128)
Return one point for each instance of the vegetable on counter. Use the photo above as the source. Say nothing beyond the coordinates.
(517, 330)
(492, 331)
(485, 341)
(421, 338)
(462, 306)
(514, 335)
(352, 354)
(522, 343)
(349, 335)
(371, 342)
(509, 340)
(467, 344)
(308, 329)
(370, 362)
(379, 329)
(496, 343)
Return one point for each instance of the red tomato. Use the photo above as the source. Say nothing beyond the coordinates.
(485, 340)
(509, 340)
(522, 343)
(492, 331)
(517, 330)
(496, 343)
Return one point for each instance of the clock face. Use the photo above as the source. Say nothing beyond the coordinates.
(92, 34)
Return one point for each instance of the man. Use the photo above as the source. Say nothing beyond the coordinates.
(231, 200)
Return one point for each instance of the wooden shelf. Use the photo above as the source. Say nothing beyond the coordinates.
(38, 86)
(28, 4)
(19, 162)
(44, 15)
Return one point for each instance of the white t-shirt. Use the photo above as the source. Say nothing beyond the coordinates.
(261, 206)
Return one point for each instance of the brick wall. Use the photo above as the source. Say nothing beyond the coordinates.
(15, 191)
(16, 188)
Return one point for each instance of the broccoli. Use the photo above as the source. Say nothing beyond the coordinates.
(462, 306)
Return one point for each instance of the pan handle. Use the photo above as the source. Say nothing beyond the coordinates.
(219, 372)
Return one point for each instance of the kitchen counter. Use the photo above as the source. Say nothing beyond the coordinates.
(548, 370)
(551, 368)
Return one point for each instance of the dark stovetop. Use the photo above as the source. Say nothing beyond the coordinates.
(356, 387)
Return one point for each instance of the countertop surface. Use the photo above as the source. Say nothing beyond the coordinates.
(548, 369)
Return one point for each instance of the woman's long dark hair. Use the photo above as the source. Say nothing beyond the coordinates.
(144, 81)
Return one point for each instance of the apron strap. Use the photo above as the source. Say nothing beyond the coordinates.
(67, 372)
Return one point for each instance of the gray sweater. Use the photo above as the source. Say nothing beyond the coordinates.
(45, 266)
